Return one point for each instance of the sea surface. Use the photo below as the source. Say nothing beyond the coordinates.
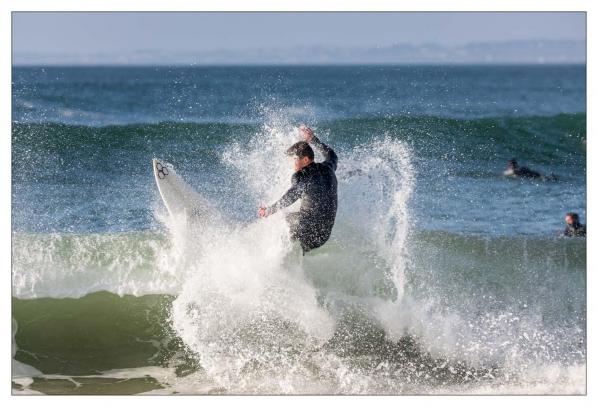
(442, 276)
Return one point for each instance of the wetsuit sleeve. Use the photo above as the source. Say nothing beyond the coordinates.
(289, 197)
(526, 172)
(330, 158)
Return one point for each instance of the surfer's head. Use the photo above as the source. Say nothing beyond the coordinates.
(512, 164)
(302, 154)
(571, 218)
(512, 167)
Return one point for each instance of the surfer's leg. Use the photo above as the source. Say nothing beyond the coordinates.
(298, 232)
(293, 222)
(294, 258)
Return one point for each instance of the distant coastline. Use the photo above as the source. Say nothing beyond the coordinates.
(535, 52)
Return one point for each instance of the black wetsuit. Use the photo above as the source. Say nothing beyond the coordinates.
(526, 172)
(316, 185)
(575, 230)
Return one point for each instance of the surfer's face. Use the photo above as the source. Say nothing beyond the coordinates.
(300, 162)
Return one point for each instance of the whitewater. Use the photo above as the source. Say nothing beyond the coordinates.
(373, 312)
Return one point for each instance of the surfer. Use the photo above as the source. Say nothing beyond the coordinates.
(513, 169)
(574, 228)
(316, 185)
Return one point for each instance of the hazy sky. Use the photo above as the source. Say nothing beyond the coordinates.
(78, 33)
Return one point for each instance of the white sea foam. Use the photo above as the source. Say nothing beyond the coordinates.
(259, 316)
(251, 302)
(71, 265)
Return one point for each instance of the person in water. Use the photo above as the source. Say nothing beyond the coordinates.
(513, 169)
(316, 185)
(574, 228)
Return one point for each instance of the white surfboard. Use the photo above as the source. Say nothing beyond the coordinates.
(178, 196)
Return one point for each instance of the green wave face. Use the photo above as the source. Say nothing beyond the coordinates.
(478, 279)
(563, 130)
(98, 332)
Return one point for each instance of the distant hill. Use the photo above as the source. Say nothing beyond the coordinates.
(514, 52)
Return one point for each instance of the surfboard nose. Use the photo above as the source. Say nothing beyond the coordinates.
(160, 168)
(156, 162)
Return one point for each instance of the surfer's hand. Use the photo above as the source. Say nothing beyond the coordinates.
(263, 212)
(307, 133)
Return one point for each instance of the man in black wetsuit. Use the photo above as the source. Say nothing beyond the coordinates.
(315, 183)
(513, 169)
(574, 227)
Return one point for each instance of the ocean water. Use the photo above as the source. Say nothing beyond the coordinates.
(441, 275)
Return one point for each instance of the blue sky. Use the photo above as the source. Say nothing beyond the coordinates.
(109, 34)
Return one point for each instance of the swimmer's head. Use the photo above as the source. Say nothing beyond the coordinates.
(571, 218)
(302, 154)
(512, 166)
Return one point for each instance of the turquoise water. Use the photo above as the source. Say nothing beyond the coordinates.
(441, 275)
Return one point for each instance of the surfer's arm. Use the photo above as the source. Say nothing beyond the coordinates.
(330, 158)
(288, 198)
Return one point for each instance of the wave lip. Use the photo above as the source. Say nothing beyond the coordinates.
(556, 140)
(71, 265)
